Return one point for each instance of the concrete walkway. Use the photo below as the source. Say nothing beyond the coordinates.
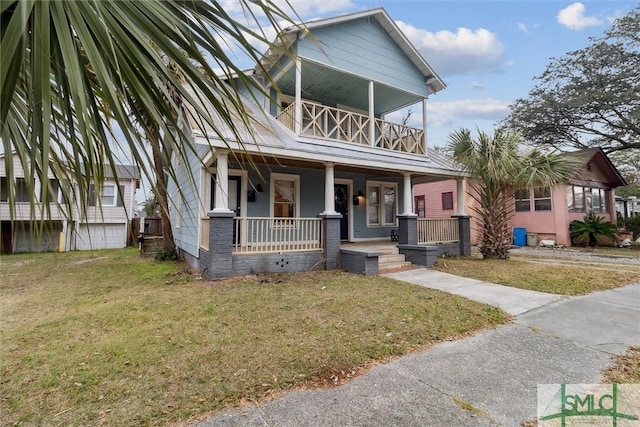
(553, 340)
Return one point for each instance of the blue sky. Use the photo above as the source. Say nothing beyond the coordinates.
(487, 52)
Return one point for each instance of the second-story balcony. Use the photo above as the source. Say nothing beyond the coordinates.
(321, 121)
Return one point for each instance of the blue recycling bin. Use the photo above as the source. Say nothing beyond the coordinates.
(519, 236)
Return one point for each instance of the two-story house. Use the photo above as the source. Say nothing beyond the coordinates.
(323, 166)
(63, 225)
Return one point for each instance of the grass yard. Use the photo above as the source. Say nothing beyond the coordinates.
(626, 369)
(540, 276)
(110, 338)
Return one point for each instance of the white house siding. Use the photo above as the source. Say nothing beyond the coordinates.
(362, 47)
(104, 227)
(186, 222)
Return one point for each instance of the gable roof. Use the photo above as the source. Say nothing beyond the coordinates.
(290, 34)
(588, 155)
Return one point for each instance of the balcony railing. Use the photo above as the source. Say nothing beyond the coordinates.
(322, 121)
(277, 234)
(438, 230)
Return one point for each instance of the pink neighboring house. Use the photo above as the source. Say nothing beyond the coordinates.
(547, 212)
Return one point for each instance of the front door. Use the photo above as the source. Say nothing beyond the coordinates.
(341, 194)
(234, 197)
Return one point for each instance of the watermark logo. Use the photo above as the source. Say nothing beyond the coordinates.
(616, 405)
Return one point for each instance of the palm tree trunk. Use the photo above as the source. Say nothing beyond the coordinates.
(168, 244)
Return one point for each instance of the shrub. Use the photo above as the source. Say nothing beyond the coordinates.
(632, 224)
(592, 227)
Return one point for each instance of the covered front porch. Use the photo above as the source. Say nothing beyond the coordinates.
(316, 216)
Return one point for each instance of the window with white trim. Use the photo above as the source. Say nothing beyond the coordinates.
(108, 196)
(382, 204)
(285, 195)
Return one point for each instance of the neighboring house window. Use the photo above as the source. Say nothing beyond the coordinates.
(22, 192)
(52, 189)
(542, 199)
(447, 201)
(381, 203)
(285, 195)
(523, 200)
(586, 199)
(4, 191)
(109, 196)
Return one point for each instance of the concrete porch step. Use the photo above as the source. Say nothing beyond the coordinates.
(393, 265)
(392, 261)
(387, 258)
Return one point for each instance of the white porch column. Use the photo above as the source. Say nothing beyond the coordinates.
(372, 119)
(329, 196)
(460, 193)
(424, 125)
(408, 195)
(221, 202)
(298, 124)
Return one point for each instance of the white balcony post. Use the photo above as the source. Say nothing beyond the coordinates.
(372, 112)
(298, 113)
(222, 182)
(329, 196)
(424, 125)
(460, 192)
(408, 197)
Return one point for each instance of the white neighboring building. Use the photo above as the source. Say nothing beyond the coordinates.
(65, 229)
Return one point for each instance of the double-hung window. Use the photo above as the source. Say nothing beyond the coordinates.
(285, 195)
(108, 197)
(542, 199)
(382, 203)
(523, 200)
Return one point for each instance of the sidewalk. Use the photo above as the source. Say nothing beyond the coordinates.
(512, 300)
(553, 340)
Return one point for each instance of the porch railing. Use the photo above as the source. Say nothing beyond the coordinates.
(277, 234)
(323, 121)
(438, 230)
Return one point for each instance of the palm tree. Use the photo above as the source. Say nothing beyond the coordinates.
(76, 73)
(590, 228)
(498, 168)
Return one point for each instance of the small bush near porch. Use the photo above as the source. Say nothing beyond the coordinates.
(111, 338)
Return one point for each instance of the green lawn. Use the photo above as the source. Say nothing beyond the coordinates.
(541, 275)
(110, 338)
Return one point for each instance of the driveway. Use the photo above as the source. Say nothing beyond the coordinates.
(493, 374)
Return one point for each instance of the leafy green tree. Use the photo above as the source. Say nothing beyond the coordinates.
(151, 206)
(588, 97)
(628, 163)
(72, 72)
(498, 168)
(592, 227)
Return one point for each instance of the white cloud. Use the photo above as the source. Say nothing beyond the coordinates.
(455, 114)
(573, 17)
(451, 113)
(477, 86)
(523, 27)
(462, 52)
